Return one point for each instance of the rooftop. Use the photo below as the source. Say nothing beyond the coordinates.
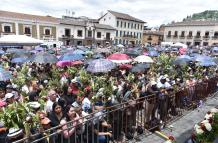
(149, 32)
(125, 16)
(23, 16)
(194, 23)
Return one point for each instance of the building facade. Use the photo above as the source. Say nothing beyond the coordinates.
(84, 32)
(40, 27)
(152, 37)
(129, 30)
(201, 33)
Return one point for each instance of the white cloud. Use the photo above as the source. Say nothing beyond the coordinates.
(154, 12)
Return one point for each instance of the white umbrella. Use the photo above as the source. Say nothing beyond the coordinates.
(143, 59)
(23, 40)
(120, 46)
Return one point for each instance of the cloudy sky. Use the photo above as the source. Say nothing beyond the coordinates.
(154, 12)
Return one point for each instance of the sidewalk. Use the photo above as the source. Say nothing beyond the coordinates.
(183, 127)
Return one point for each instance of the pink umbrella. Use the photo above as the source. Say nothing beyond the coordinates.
(76, 63)
(145, 53)
(182, 51)
(63, 63)
(2, 103)
(119, 58)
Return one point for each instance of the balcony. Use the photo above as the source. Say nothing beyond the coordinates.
(168, 36)
(67, 37)
(189, 37)
(129, 36)
(175, 36)
(197, 37)
(206, 37)
(215, 37)
(182, 37)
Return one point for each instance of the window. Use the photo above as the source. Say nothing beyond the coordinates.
(104, 19)
(175, 33)
(124, 24)
(124, 33)
(169, 33)
(120, 33)
(132, 25)
(89, 33)
(127, 33)
(98, 34)
(138, 26)
(79, 33)
(121, 24)
(137, 35)
(120, 41)
(7, 29)
(108, 36)
(183, 34)
(117, 33)
(131, 34)
(190, 34)
(206, 34)
(128, 25)
(216, 34)
(47, 31)
(67, 32)
(117, 23)
(141, 27)
(27, 30)
(198, 34)
(135, 26)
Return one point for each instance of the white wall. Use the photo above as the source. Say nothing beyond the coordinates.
(61, 30)
(103, 34)
(108, 19)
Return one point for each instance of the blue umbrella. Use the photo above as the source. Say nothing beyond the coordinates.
(39, 49)
(4, 75)
(206, 63)
(71, 57)
(1, 52)
(79, 52)
(84, 49)
(140, 68)
(44, 58)
(100, 66)
(202, 58)
(153, 53)
(20, 60)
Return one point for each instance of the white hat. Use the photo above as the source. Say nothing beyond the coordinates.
(8, 95)
(13, 132)
(34, 105)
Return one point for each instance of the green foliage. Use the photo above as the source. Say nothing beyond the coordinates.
(15, 115)
(207, 15)
(72, 71)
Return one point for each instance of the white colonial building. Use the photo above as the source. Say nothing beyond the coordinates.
(202, 33)
(84, 32)
(129, 30)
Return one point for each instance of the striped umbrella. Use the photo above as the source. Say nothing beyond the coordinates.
(100, 66)
(71, 57)
(44, 58)
(4, 75)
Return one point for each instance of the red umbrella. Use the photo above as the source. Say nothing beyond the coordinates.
(125, 66)
(119, 58)
(76, 63)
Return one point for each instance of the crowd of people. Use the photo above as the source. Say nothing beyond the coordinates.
(67, 98)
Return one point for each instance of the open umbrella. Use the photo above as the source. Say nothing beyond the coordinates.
(125, 66)
(71, 57)
(120, 46)
(102, 50)
(143, 59)
(140, 68)
(44, 58)
(153, 53)
(206, 63)
(4, 75)
(100, 66)
(98, 56)
(119, 58)
(20, 60)
(202, 58)
(63, 63)
(79, 52)
(132, 53)
(1, 52)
